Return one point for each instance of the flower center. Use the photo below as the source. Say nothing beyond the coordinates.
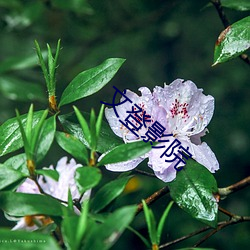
(180, 110)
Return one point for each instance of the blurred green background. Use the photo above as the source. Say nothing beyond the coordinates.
(162, 41)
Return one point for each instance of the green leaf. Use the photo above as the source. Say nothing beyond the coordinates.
(52, 65)
(43, 65)
(162, 221)
(22, 131)
(16, 240)
(46, 137)
(99, 121)
(20, 204)
(233, 41)
(47, 229)
(8, 176)
(151, 223)
(84, 125)
(10, 136)
(105, 235)
(87, 177)
(19, 90)
(108, 193)
(28, 127)
(37, 132)
(53, 174)
(241, 5)
(125, 152)
(90, 81)
(193, 191)
(82, 223)
(70, 201)
(73, 146)
(18, 162)
(107, 139)
(69, 230)
(92, 127)
(74, 228)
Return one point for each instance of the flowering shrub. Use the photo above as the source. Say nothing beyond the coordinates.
(74, 205)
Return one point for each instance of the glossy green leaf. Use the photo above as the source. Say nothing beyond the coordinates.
(126, 152)
(87, 177)
(46, 138)
(53, 174)
(241, 5)
(233, 41)
(8, 176)
(193, 191)
(18, 162)
(108, 193)
(19, 90)
(73, 146)
(16, 240)
(90, 81)
(20, 204)
(107, 138)
(10, 136)
(105, 235)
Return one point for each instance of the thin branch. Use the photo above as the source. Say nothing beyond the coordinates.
(223, 192)
(42, 192)
(204, 229)
(144, 173)
(234, 220)
(224, 211)
(226, 23)
(152, 198)
(222, 15)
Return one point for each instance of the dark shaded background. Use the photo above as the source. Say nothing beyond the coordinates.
(162, 41)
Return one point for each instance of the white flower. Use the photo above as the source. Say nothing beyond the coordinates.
(184, 111)
(58, 189)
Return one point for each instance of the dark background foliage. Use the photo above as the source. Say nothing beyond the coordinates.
(162, 41)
